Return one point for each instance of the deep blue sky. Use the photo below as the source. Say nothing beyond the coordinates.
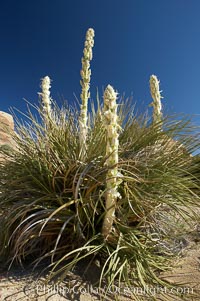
(133, 39)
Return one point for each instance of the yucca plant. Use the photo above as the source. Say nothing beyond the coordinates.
(56, 204)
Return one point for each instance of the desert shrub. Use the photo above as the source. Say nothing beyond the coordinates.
(55, 203)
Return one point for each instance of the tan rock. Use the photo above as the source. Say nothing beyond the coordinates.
(6, 127)
(6, 130)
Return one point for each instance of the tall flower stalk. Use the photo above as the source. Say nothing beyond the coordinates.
(85, 84)
(45, 97)
(156, 104)
(112, 181)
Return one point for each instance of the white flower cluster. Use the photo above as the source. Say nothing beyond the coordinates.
(85, 84)
(156, 104)
(112, 178)
(45, 95)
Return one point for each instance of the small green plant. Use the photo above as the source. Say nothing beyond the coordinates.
(115, 205)
(6, 148)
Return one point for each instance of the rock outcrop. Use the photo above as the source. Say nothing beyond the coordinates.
(6, 127)
(6, 130)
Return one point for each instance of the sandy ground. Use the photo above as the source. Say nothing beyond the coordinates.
(19, 285)
(24, 285)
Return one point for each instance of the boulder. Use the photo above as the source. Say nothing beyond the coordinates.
(6, 127)
(6, 130)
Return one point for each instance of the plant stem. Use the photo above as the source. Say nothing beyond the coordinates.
(85, 84)
(45, 97)
(112, 127)
(156, 104)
